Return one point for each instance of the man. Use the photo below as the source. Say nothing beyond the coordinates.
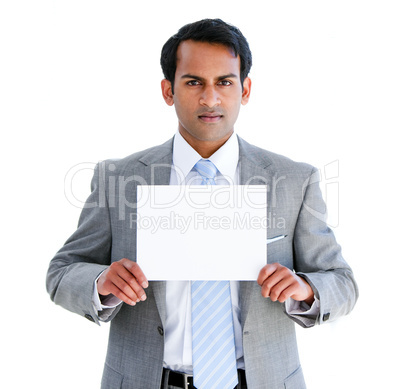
(306, 280)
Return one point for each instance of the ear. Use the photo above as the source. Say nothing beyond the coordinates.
(246, 91)
(167, 91)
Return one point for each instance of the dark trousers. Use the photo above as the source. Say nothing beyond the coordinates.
(173, 380)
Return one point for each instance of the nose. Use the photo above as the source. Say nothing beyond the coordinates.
(210, 97)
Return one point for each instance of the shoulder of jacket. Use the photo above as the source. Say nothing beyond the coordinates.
(277, 162)
(120, 165)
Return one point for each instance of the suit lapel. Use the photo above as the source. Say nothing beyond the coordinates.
(157, 166)
(159, 290)
(245, 297)
(254, 169)
(252, 165)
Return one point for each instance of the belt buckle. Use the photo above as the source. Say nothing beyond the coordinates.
(185, 380)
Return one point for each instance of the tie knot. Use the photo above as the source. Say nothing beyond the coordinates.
(206, 169)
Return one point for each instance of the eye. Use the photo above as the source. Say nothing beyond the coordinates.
(225, 83)
(193, 83)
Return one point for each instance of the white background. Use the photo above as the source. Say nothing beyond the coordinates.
(80, 82)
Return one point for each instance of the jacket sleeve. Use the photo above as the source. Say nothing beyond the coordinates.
(318, 259)
(74, 269)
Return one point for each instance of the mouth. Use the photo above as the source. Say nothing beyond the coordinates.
(210, 117)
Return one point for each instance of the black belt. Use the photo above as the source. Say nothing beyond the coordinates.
(185, 381)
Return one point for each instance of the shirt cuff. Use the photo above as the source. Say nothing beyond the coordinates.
(301, 308)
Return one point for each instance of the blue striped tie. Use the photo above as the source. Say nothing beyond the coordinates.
(214, 356)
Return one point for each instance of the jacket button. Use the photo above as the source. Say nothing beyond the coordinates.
(160, 330)
(325, 317)
(89, 317)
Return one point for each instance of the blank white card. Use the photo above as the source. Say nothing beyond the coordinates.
(201, 232)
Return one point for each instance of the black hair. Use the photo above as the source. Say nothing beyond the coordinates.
(214, 31)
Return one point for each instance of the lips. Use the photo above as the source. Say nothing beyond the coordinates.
(210, 117)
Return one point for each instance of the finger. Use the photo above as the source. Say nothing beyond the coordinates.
(281, 273)
(127, 282)
(282, 291)
(136, 278)
(110, 282)
(136, 271)
(117, 284)
(121, 295)
(265, 272)
(272, 288)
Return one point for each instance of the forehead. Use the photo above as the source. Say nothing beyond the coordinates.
(202, 58)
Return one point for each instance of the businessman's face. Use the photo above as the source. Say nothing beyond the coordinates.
(207, 91)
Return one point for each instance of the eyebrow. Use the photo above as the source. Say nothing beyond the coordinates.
(230, 75)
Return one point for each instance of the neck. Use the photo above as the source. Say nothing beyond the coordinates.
(204, 147)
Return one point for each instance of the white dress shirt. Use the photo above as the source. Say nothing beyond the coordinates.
(178, 342)
(178, 349)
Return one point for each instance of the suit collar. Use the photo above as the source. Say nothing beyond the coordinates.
(158, 154)
(247, 154)
(157, 164)
(253, 164)
(253, 154)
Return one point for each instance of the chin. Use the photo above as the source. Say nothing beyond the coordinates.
(212, 136)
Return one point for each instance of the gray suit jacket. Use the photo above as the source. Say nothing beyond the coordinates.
(106, 233)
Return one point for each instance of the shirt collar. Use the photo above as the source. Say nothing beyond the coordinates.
(225, 158)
